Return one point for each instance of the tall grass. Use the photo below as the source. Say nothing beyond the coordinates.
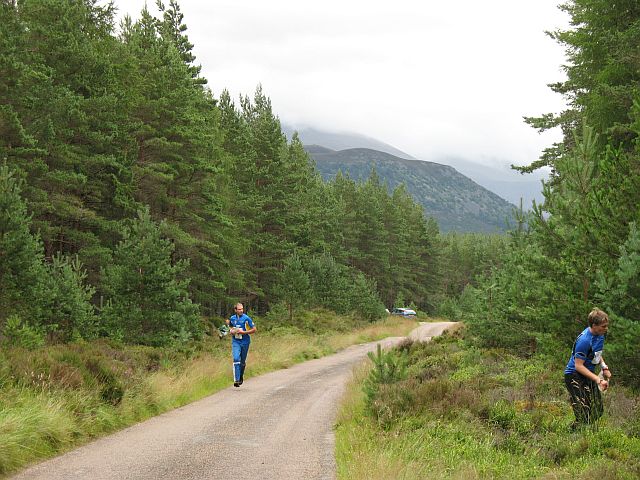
(466, 413)
(57, 398)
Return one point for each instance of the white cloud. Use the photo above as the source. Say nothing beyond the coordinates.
(431, 78)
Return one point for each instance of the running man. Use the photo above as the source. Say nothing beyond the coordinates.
(242, 327)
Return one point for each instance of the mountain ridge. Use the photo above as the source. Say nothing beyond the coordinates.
(453, 199)
(493, 174)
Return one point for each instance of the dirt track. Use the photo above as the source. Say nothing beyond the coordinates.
(276, 426)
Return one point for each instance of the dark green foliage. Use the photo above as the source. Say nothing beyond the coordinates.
(414, 254)
(388, 239)
(148, 300)
(67, 102)
(329, 283)
(621, 294)
(178, 158)
(467, 257)
(69, 312)
(320, 281)
(515, 301)
(387, 367)
(620, 346)
(293, 287)
(50, 297)
(173, 30)
(602, 75)
(621, 290)
(342, 289)
(367, 239)
(579, 249)
(22, 272)
(273, 190)
(364, 301)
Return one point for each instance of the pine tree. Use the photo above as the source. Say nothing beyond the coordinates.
(300, 184)
(245, 204)
(424, 278)
(345, 191)
(70, 314)
(294, 285)
(21, 258)
(366, 239)
(602, 75)
(147, 295)
(593, 194)
(173, 30)
(621, 294)
(179, 166)
(621, 291)
(268, 179)
(325, 213)
(274, 186)
(330, 283)
(67, 98)
(365, 301)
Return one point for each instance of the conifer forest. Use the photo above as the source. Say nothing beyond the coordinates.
(136, 204)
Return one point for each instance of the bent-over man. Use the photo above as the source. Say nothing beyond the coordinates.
(579, 375)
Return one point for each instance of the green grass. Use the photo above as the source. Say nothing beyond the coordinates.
(466, 413)
(56, 398)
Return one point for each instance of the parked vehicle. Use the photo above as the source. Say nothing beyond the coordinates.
(405, 312)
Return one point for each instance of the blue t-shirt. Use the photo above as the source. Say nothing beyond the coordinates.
(588, 347)
(245, 323)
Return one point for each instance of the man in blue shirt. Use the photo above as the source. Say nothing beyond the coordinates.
(579, 375)
(241, 327)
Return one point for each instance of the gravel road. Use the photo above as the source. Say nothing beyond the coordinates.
(275, 426)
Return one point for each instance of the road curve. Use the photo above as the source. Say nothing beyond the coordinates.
(276, 426)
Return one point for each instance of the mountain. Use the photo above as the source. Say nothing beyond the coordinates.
(500, 179)
(456, 201)
(341, 141)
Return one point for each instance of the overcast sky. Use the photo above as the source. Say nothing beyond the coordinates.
(431, 78)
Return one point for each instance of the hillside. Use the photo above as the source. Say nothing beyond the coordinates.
(456, 201)
(495, 175)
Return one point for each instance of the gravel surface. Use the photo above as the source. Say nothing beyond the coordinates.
(275, 426)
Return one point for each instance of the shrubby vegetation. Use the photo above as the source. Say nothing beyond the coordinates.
(449, 409)
(320, 281)
(148, 300)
